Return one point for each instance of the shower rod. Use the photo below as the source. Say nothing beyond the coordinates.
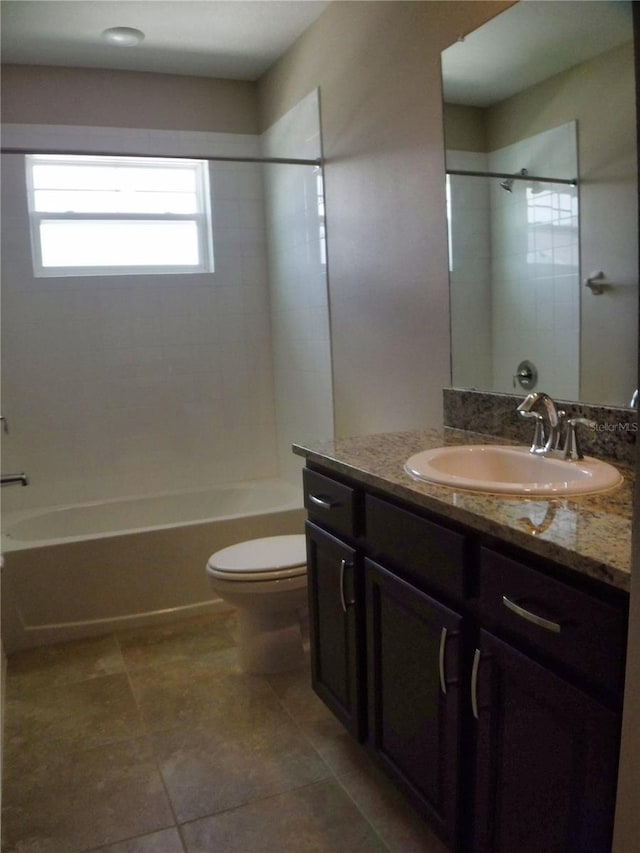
(572, 182)
(214, 158)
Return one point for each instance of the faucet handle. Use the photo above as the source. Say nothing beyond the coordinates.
(538, 432)
(572, 449)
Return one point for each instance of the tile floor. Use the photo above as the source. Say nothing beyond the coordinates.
(153, 741)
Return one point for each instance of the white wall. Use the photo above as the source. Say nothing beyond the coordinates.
(470, 272)
(298, 284)
(515, 283)
(126, 385)
(535, 264)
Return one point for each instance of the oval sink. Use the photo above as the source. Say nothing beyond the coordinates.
(511, 471)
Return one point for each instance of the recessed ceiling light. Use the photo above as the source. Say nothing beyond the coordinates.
(123, 36)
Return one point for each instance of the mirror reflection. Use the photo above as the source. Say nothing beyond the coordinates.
(540, 132)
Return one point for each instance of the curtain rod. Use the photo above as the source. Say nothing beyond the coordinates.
(217, 158)
(572, 182)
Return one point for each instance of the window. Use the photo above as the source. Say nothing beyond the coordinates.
(118, 215)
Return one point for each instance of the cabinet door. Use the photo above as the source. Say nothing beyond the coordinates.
(414, 662)
(336, 627)
(546, 758)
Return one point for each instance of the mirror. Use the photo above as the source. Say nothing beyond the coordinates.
(539, 106)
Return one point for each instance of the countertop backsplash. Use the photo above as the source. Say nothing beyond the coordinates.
(495, 414)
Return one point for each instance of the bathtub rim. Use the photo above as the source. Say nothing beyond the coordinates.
(14, 517)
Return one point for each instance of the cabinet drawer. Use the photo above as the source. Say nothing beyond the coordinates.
(421, 549)
(571, 627)
(330, 503)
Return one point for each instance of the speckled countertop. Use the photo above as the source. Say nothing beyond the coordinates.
(590, 534)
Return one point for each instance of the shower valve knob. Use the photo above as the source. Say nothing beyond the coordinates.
(526, 375)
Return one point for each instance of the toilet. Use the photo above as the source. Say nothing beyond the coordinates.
(266, 581)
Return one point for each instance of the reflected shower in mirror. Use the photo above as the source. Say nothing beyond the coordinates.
(542, 197)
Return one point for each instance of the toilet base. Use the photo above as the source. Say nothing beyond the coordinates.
(269, 642)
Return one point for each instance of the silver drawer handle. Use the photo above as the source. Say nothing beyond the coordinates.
(323, 502)
(343, 600)
(547, 624)
(474, 683)
(443, 646)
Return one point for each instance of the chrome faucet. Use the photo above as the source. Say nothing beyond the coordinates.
(14, 479)
(544, 442)
(553, 443)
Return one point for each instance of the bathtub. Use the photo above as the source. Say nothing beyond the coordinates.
(87, 569)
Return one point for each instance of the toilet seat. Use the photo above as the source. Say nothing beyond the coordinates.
(270, 558)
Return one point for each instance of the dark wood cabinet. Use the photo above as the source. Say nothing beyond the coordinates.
(336, 626)
(546, 759)
(414, 675)
(486, 683)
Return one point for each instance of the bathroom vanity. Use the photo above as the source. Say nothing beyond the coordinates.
(474, 644)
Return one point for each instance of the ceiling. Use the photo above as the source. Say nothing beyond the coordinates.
(236, 39)
(528, 43)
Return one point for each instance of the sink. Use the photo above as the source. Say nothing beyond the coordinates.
(497, 469)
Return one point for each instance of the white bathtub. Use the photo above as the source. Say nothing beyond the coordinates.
(76, 571)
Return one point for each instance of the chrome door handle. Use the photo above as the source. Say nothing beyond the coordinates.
(323, 502)
(540, 621)
(443, 646)
(343, 600)
(474, 683)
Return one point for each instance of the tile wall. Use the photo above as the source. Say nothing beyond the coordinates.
(536, 264)
(298, 284)
(515, 276)
(469, 217)
(128, 385)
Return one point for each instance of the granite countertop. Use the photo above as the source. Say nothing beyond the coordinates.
(590, 534)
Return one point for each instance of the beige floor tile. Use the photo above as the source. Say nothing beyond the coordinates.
(166, 841)
(317, 819)
(63, 663)
(397, 823)
(334, 744)
(76, 802)
(73, 716)
(296, 694)
(233, 762)
(251, 763)
(199, 640)
(186, 694)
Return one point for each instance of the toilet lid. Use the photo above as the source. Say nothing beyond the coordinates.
(261, 556)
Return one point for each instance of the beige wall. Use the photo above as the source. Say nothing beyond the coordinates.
(378, 68)
(594, 92)
(465, 128)
(34, 94)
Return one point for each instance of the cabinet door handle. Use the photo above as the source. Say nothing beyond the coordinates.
(323, 502)
(443, 647)
(547, 624)
(474, 683)
(343, 600)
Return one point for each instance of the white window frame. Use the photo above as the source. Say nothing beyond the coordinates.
(201, 217)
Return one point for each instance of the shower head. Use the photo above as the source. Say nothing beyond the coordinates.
(507, 183)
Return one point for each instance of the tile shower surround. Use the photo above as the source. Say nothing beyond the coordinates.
(514, 259)
(495, 414)
(146, 384)
(153, 741)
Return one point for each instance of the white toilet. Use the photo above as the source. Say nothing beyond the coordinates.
(266, 580)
